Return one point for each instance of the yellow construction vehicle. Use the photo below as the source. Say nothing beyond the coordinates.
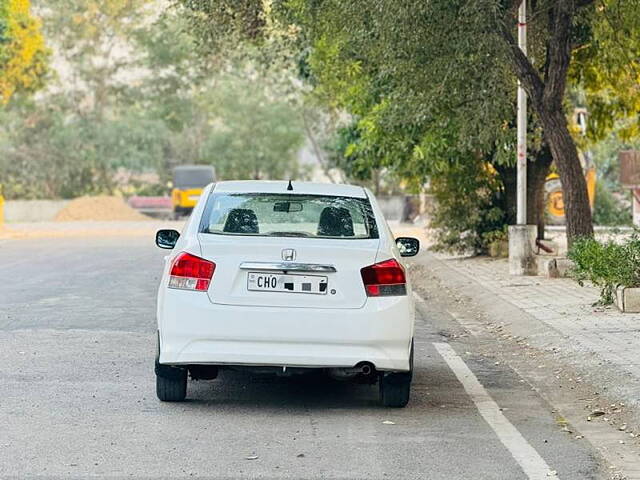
(188, 182)
(553, 189)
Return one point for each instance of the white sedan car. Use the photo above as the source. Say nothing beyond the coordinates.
(285, 277)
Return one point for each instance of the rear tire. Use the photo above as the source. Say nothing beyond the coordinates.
(172, 388)
(395, 389)
(171, 382)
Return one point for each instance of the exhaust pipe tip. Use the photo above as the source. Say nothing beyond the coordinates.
(362, 369)
(366, 368)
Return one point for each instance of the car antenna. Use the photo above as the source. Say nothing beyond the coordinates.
(289, 187)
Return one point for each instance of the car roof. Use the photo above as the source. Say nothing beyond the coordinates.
(301, 188)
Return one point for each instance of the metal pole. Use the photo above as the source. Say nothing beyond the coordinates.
(521, 211)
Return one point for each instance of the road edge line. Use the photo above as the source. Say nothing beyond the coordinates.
(532, 464)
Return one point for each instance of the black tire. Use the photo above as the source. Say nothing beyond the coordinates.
(172, 388)
(395, 387)
(171, 382)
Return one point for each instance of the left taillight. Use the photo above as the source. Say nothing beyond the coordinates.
(189, 272)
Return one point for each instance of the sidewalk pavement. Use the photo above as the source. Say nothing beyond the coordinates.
(602, 341)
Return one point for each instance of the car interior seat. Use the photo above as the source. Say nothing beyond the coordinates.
(335, 222)
(241, 220)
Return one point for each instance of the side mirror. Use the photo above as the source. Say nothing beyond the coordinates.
(167, 238)
(408, 246)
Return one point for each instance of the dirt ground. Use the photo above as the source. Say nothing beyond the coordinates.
(100, 208)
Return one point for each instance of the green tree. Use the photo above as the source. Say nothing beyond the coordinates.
(45, 153)
(255, 137)
(95, 41)
(419, 62)
(442, 59)
(134, 93)
(607, 69)
(230, 111)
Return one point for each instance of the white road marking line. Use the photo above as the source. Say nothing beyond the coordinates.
(527, 457)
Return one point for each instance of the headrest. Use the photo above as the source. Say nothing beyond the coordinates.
(241, 220)
(335, 222)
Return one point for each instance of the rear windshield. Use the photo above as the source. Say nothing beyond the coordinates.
(282, 215)
(194, 177)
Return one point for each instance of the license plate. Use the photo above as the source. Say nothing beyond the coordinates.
(281, 282)
(194, 197)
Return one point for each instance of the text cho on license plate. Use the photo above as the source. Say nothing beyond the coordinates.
(282, 282)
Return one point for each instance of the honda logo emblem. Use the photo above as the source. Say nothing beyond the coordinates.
(288, 254)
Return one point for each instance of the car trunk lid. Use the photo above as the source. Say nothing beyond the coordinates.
(245, 263)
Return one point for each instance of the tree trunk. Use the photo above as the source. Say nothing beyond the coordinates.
(537, 171)
(574, 187)
(509, 179)
(546, 93)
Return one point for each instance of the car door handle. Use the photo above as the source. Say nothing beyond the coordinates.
(288, 267)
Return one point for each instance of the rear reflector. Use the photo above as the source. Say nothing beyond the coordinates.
(384, 279)
(189, 272)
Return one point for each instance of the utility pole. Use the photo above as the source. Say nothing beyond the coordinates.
(521, 212)
(522, 237)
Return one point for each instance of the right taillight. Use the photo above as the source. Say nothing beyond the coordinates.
(384, 279)
(189, 272)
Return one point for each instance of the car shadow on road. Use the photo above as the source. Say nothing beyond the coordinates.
(309, 390)
(431, 390)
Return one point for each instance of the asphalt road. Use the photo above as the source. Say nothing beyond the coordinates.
(77, 393)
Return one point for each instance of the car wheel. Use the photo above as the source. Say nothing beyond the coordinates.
(172, 387)
(171, 382)
(395, 387)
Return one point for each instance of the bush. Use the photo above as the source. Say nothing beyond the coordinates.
(610, 207)
(465, 214)
(607, 265)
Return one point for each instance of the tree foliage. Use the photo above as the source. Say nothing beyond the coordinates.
(404, 71)
(254, 137)
(23, 54)
(133, 92)
(607, 68)
(413, 64)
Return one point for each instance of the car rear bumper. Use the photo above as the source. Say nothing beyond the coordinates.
(195, 331)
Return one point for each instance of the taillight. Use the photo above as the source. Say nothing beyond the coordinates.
(189, 272)
(384, 279)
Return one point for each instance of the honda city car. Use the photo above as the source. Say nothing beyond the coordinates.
(284, 277)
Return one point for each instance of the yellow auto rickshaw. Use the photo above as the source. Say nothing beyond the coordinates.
(188, 182)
